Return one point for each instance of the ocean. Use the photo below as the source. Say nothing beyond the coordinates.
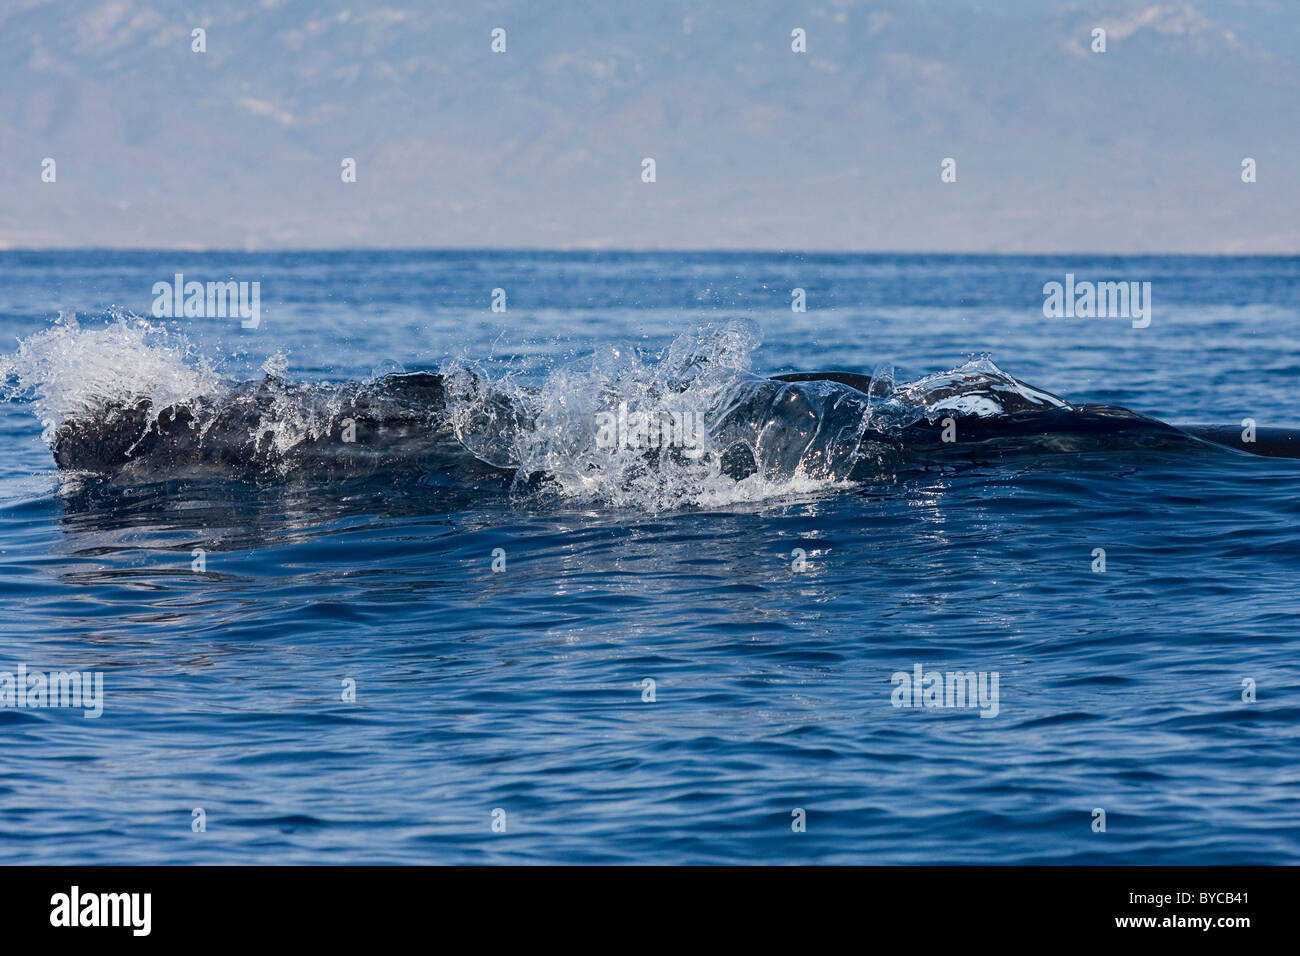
(514, 646)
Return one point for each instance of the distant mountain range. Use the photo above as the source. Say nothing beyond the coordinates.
(1057, 148)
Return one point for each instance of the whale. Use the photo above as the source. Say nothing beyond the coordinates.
(271, 427)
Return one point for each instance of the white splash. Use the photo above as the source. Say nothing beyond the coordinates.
(68, 371)
(562, 428)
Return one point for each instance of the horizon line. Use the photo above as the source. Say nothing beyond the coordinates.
(684, 250)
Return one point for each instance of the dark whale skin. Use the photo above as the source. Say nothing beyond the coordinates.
(1269, 442)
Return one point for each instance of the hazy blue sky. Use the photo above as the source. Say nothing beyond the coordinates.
(1057, 148)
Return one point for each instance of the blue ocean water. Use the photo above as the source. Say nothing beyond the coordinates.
(518, 696)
